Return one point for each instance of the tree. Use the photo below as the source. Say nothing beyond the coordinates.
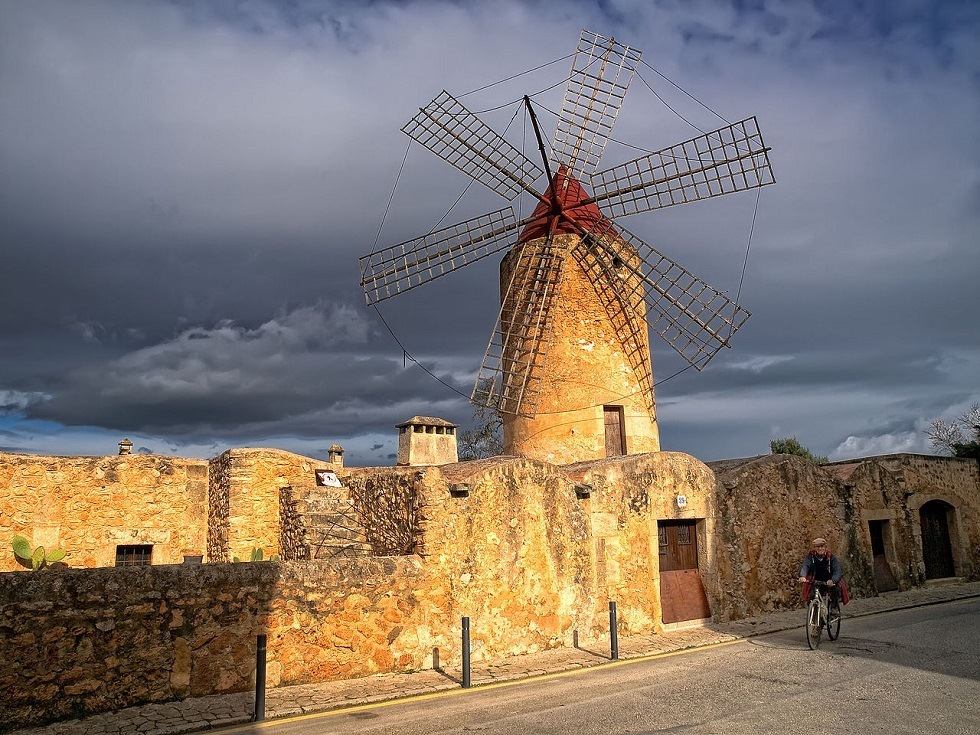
(960, 437)
(793, 446)
(485, 439)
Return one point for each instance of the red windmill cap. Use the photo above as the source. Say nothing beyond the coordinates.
(569, 194)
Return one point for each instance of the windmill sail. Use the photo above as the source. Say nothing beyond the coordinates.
(601, 73)
(459, 137)
(730, 159)
(398, 268)
(695, 319)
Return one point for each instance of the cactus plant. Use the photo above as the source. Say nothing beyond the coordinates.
(257, 555)
(35, 558)
(22, 548)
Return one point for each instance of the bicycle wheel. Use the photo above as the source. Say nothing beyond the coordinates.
(814, 626)
(834, 615)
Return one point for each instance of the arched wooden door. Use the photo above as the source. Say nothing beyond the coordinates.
(937, 551)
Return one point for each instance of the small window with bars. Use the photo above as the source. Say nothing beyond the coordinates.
(683, 535)
(134, 555)
(662, 534)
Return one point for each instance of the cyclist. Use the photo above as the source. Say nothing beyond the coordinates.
(821, 566)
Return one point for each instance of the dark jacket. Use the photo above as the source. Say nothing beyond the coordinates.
(821, 569)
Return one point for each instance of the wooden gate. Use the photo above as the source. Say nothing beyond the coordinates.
(681, 592)
(937, 552)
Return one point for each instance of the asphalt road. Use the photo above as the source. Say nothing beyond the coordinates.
(913, 671)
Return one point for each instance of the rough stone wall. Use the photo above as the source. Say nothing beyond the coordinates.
(955, 481)
(250, 479)
(878, 495)
(354, 617)
(773, 506)
(629, 496)
(514, 555)
(89, 505)
(79, 641)
(219, 490)
(320, 524)
(388, 504)
(524, 556)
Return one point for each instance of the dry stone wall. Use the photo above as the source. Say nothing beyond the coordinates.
(79, 641)
(89, 505)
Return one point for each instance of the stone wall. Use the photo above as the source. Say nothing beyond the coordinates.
(245, 488)
(954, 481)
(78, 641)
(771, 508)
(532, 553)
(89, 505)
(629, 495)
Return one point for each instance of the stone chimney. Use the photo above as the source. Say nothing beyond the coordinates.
(125, 447)
(423, 440)
(335, 455)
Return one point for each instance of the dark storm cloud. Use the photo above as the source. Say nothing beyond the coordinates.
(289, 373)
(185, 189)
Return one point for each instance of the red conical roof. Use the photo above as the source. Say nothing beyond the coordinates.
(569, 194)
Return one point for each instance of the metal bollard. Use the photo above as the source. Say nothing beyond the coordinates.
(613, 633)
(466, 653)
(259, 713)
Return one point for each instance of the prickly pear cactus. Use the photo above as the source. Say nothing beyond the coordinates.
(22, 548)
(36, 558)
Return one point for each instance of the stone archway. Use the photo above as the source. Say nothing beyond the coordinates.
(937, 549)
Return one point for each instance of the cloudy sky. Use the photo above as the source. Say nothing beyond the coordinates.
(185, 189)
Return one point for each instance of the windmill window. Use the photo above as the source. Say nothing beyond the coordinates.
(134, 555)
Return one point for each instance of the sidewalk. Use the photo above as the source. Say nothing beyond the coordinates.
(203, 713)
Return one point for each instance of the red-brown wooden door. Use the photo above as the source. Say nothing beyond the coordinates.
(681, 592)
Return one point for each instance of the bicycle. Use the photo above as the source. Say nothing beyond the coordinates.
(821, 612)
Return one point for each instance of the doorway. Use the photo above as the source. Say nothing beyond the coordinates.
(682, 594)
(937, 551)
(615, 426)
(884, 578)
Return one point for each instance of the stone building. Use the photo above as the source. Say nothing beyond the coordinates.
(377, 568)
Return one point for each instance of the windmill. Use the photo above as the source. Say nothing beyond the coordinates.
(569, 356)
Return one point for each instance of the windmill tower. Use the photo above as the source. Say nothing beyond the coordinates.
(568, 363)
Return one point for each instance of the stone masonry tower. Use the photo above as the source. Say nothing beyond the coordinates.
(596, 397)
